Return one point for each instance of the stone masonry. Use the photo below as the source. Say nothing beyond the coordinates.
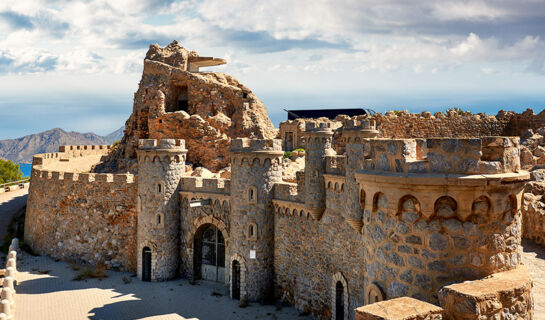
(370, 218)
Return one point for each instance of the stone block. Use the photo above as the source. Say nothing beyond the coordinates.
(504, 295)
(404, 308)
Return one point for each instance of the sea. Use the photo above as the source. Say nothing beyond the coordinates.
(25, 168)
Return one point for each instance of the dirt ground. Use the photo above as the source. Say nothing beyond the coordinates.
(533, 257)
(46, 291)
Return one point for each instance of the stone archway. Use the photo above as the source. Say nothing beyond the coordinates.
(194, 241)
(209, 254)
(339, 297)
(238, 277)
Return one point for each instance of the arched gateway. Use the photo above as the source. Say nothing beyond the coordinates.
(209, 254)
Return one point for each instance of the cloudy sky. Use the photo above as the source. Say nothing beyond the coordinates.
(76, 64)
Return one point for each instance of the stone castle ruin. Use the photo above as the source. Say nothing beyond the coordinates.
(386, 215)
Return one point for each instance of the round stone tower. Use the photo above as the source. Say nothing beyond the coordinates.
(161, 164)
(255, 168)
(355, 134)
(318, 139)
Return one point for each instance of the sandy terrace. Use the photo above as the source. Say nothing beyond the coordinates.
(53, 295)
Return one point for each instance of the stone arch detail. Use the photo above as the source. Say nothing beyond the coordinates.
(243, 268)
(408, 203)
(380, 201)
(374, 294)
(445, 207)
(338, 277)
(201, 221)
(480, 210)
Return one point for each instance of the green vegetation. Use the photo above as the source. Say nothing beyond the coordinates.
(288, 155)
(299, 150)
(9, 172)
(455, 109)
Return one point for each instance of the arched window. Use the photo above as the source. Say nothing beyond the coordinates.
(252, 194)
(159, 220)
(159, 188)
(374, 294)
(252, 232)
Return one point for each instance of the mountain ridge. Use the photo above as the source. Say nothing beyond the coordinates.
(21, 150)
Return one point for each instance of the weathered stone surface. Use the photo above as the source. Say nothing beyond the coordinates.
(504, 295)
(399, 309)
(219, 108)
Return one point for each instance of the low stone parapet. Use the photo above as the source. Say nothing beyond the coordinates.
(8, 281)
(503, 295)
(404, 308)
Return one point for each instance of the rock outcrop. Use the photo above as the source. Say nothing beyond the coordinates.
(206, 109)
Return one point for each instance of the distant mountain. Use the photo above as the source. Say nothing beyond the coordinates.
(22, 149)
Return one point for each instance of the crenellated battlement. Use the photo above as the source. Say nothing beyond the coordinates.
(315, 126)
(256, 145)
(161, 144)
(83, 177)
(197, 184)
(354, 129)
(487, 155)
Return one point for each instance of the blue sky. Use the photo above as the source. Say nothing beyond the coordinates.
(76, 64)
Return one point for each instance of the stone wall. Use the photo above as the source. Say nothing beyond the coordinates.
(83, 217)
(308, 253)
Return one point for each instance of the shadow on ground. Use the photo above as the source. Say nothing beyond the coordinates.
(116, 299)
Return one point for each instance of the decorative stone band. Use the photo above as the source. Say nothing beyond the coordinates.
(242, 145)
(257, 158)
(426, 188)
(83, 177)
(297, 209)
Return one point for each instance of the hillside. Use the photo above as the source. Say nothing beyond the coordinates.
(22, 149)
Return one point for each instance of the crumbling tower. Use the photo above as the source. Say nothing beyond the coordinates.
(256, 167)
(161, 165)
(318, 139)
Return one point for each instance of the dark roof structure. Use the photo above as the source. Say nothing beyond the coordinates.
(328, 113)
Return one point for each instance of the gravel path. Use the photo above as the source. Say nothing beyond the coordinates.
(533, 257)
(53, 295)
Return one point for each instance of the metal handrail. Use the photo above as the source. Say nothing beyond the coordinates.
(12, 183)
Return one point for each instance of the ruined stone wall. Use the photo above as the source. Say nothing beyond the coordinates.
(83, 217)
(308, 253)
(219, 108)
(504, 295)
(452, 124)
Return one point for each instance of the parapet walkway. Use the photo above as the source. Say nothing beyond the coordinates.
(47, 292)
(10, 203)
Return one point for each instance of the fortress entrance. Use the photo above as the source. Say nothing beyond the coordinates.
(146, 264)
(209, 254)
